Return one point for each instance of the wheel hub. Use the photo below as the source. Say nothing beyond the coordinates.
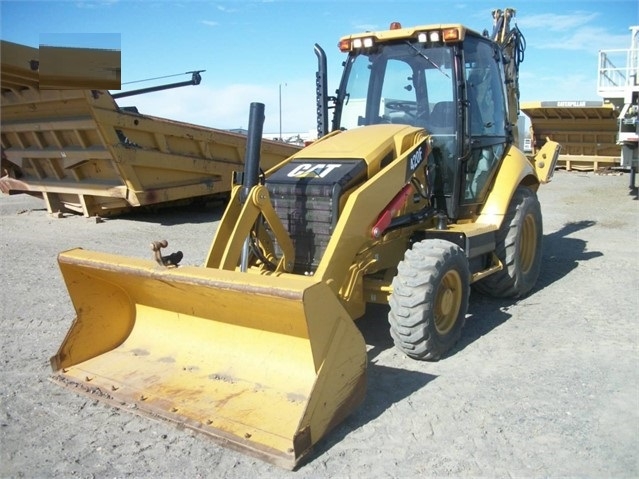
(448, 302)
(528, 243)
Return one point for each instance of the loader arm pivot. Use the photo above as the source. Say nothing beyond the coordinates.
(236, 227)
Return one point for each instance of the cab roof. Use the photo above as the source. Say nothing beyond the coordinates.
(411, 32)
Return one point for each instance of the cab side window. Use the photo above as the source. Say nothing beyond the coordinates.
(487, 120)
(485, 91)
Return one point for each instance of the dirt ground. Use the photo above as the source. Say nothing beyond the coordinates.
(544, 386)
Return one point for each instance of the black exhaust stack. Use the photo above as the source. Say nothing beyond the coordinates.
(251, 175)
(253, 145)
(321, 92)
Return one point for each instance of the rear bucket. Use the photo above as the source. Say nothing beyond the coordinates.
(266, 365)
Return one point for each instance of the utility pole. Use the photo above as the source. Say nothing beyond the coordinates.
(280, 100)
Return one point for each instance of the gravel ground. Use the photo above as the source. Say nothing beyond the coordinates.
(544, 386)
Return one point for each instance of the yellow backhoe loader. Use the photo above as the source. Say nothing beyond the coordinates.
(416, 193)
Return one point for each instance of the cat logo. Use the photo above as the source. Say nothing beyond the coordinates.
(310, 170)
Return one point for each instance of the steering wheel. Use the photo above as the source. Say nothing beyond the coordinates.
(403, 106)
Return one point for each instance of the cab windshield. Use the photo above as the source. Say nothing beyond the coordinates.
(400, 83)
(415, 84)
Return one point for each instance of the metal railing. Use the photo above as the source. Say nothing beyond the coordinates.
(618, 69)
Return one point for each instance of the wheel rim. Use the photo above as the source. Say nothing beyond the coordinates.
(528, 244)
(448, 302)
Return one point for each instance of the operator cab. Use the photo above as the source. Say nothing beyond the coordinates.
(454, 89)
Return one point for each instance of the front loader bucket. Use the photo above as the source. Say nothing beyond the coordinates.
(264, 365)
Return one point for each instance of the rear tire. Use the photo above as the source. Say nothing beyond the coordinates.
(519, 247)
(430, 299)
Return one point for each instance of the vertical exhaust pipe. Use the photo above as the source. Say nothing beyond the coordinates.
(253, 146)
(321, 92)
(251, 165)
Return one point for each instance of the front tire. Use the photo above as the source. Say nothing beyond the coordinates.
(430, 299)
(519, 247)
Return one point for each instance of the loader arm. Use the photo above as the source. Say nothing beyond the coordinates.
(357, 211)
(354, 231)
(381, 161)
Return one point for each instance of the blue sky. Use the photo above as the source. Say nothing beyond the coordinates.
(253, 49)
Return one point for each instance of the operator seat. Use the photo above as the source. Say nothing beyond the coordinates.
(442, 118)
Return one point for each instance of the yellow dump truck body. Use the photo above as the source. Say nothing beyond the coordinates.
(586, 130)
(83, 153)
